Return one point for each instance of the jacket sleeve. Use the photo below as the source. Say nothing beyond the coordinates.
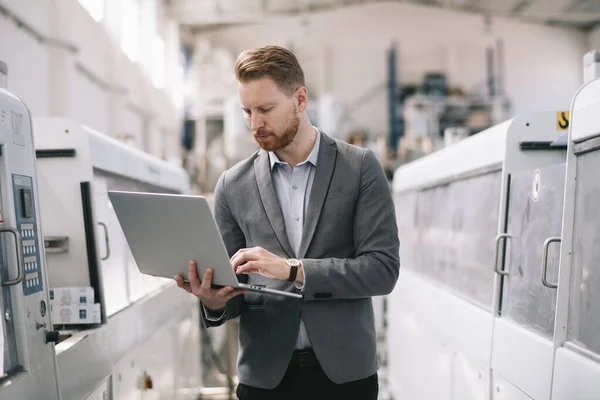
(234, 239)
(375, 268)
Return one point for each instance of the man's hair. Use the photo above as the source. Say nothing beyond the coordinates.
(274, 62)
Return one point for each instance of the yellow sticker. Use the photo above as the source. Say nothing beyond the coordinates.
(562, 120)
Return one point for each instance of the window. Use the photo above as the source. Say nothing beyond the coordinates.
(584, 303)
(130, 31)
(95, 8)
(454, 233)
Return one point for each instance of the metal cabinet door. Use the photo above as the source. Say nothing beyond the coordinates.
(523, 331)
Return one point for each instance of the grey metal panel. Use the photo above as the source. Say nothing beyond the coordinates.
(456, 226)
(83, 362)
(433, 231)
(474, 205)
(530, 222)
(584, 313)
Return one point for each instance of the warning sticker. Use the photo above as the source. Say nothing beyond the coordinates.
(536, 186)
(562, 120)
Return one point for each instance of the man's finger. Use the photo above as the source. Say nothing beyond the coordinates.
(224, 291)
(238, 252)
(244, 257)
(251, 267)
(236, 292)
(182, 284)
(207, 280)
(193, 274)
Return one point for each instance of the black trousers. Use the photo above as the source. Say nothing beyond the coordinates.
(311, 383)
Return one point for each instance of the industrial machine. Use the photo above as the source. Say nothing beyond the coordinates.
(28, 365)
(473, 310)
(141, 335)
(577, 359)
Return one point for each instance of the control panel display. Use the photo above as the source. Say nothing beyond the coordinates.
(27, 226)
(26, 203)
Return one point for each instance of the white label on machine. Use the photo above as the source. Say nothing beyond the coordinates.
(5, 120)
(537, 185)
(17, 125)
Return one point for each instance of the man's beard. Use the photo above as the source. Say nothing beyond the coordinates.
(270, 141)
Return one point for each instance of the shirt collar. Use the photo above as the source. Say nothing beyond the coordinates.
(312, 157)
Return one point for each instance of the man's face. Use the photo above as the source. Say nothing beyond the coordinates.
(271, 115)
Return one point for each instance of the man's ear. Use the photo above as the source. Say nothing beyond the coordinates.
(301, 98)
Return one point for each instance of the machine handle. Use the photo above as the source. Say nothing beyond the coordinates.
(496, 269)
(106, 240)
(56, 244)
(545, 262)
(19, 246)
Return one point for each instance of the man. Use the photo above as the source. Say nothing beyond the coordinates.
(309, 214)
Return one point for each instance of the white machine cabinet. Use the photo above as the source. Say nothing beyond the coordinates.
(86, 247)
(577, 330)
(28, 364)
(455, 315)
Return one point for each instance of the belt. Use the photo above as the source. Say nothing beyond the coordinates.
(304, 359)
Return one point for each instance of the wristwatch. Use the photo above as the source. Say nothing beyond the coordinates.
(294, 265)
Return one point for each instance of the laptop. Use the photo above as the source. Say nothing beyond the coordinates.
(166, 231)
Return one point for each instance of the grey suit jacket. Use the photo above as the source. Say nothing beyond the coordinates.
(350, 252)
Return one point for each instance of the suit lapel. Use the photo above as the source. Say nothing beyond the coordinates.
(322, 179)
(262, 170)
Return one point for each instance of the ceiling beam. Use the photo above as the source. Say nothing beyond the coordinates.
(189, 16)
(577, 4)
(197, 20)
(522, 6)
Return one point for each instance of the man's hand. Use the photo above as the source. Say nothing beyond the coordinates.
(213, 299)
(260, 261)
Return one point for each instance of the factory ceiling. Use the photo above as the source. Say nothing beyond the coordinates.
(201, 15)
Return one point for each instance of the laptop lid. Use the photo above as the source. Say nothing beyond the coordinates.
(166, 231)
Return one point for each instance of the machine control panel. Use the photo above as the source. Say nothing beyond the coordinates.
(27, 226)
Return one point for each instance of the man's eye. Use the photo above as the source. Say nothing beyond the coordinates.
(265, 110)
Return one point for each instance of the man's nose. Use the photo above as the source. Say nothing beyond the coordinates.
(256, 122)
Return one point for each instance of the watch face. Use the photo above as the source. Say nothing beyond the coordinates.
(293, 262)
